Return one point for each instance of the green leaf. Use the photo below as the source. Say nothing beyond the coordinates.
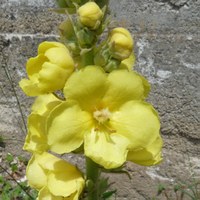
(177, 188)
(9, 158)
(14, 167)
(161, 188)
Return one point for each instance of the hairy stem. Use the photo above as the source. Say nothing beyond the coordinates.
(93, 174)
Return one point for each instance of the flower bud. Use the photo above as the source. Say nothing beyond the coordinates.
(121, 43)
(49, 70)
(66, 30)
(68, 36)
(90, 15)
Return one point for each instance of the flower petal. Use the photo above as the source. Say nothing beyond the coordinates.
(34, 64)
(36, 140)
(44, 194)
(52, 163)
(66, 126)
(151, 155)
(124, 86)
(138, 122)
(64, 183)
(110, 151)
(49, 76)
(87, 86)
(44, 103)
(35, 174)
(60, 57)
(47, 45)
(29, 87)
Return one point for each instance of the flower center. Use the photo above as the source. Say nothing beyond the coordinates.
(102, 115)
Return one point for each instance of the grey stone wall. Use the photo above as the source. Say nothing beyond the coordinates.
(167, 46)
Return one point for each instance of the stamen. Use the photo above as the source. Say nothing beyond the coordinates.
(102, 115)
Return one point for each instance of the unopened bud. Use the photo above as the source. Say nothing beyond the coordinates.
(121, 43)
(90, 15)
(66, 29)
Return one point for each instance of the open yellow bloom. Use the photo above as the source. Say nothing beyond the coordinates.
(107, 114)
(90, 15)
(121, 43)
(36, 140)
(54, 178)
(49, 70)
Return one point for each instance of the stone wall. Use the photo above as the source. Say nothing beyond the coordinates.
(167, 46)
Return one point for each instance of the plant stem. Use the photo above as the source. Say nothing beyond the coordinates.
(93, 174)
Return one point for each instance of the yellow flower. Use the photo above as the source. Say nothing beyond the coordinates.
(54, 178)
(90, 15)
(107, 114)
(121, 43)
(49, 70)
(36, 140)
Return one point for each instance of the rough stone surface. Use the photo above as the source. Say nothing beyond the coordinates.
(167, 41)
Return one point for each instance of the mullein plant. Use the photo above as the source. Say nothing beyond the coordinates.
(88, 101)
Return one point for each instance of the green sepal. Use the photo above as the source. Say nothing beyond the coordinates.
(101, 57)
(112, 64)
(86, 38)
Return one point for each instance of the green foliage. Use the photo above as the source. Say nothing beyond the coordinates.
(9, 191)
(9, 158)
(11, 188)
(189, 190)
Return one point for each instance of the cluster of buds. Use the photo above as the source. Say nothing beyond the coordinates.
(90, 101)
(80, 35)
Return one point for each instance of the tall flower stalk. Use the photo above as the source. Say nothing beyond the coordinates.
(89, 101)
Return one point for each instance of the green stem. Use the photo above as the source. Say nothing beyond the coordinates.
(93, 174)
